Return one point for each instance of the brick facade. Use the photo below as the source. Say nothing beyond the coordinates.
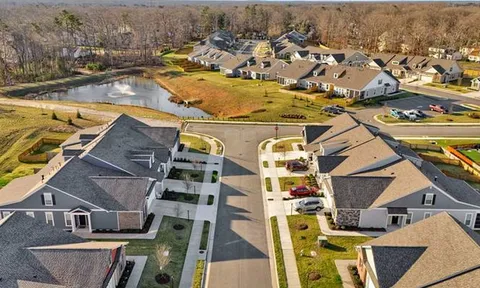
(347, 217)
(130, 220)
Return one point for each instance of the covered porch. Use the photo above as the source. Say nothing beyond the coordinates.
(396, 218)
(81, 219)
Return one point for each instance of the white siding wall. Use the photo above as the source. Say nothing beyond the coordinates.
(373, 89)
(375, 218)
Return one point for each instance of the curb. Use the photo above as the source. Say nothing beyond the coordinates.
(376, 118)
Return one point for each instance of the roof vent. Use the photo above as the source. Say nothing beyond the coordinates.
(436, 178)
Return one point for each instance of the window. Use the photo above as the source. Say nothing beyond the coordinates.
(5, 213)
(68, 219)
(468, 219)
(428, 199)
(427, 215)
(408, 220)
(31, 214)
(335, 75)
(47, 199)
(380, 81)
(49, 218)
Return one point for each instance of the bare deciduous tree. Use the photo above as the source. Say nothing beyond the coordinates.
(162, 256)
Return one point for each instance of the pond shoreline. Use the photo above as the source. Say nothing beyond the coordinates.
(31, 90)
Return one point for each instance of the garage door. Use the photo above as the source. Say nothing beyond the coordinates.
(426, 78)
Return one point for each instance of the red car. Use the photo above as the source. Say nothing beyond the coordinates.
(295, 165)
(438, 108)
(302, 190)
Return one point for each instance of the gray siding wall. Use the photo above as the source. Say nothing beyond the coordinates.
(375, 218)
(104, 220)
(418, 215)
(62, 201)
(414, 200)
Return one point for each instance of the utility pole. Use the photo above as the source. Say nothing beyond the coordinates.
(276, 131)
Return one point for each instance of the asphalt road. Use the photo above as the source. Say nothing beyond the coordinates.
(240, 249)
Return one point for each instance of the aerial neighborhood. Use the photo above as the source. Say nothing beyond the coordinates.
(301, 145)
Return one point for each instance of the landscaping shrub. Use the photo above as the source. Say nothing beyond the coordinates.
(95, 67)
(54, 116)
(293, 116)
(79, 116)
(355, 277)
(69, 121)
(239, 117)
(214, 176)
(259, 110)
(302, 226)
(474, 115)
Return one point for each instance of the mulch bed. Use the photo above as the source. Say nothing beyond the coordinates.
(126, 274)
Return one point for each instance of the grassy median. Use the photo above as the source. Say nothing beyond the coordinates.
(282, 274)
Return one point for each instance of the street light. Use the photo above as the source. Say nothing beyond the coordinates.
(276, 131)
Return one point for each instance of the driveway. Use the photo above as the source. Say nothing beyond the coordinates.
(240, 250)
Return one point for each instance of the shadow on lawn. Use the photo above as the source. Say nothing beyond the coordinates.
(335, 248)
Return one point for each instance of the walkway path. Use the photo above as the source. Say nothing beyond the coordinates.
(277, 206)
(137, 271)
(322, 222)
(203, 212)
(342, 267)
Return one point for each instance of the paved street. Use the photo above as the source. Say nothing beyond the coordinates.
(240, 249)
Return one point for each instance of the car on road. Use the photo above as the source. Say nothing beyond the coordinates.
(397, 113)
(308, 204)
(339, 107)
(302, 190)
(332, 109)
(438, 108)
(296, 165)
(419, 113)
(410, 115)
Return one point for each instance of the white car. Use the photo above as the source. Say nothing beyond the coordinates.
(410, 115)
(308, 204)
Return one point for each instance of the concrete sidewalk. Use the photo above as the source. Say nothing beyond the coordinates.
(137, 271)
(276, 208)
(342, 267)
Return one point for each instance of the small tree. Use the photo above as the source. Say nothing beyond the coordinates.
(162, 256)
(54, 116)
(79, 116)
(69, 121)
(266, 93)
(187, 182)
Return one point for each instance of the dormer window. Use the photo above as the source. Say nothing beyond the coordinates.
(335, 75)
(395, 62)
(380, 81)
(315, 73)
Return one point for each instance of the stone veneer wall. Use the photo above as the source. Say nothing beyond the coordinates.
(347, 217)
(130, 220)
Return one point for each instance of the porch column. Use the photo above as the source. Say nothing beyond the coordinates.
(89, 223)
(74, 227)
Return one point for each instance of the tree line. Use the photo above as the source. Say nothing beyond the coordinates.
(38, 42)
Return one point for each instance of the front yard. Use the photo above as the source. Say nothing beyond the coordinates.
(451, 87)
(195, 144)
(186, 175)
(176, 239)
(321, 265)
(286, 145)
(288, 182)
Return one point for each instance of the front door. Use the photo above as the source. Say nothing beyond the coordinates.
(395, 220)
(81, 221)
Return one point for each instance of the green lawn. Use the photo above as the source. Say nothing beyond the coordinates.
(176, 239)
(197, 144)
(21, 127)
(265, 164)
(457, 170)
(473, 154)
(186, 198)
(268, 184)
(219, 147)
(431, 153)
(323, 263)
(451, 87)
(197, 277)
(204, 241)
(253, 100)
(286, 145)
(277, 246)
(47, 148)
(211, 199)
(280, 163)
(264, 145)
(443, 142)
(214, 176)
(288, 182)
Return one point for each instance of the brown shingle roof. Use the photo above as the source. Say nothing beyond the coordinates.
(451, 247)
(298, 69)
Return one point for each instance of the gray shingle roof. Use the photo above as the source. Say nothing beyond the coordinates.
(328, 163)
(19, 232)
(394, 262)
(313, 132)
(458, 189)
(126, 135)
(130, 192)
(358, 192)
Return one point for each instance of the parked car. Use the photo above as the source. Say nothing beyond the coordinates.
(331, 109)
(438, 108)
(308, 204)
(410, 115)
(339, 107)
(397, 113)
(419, 113)
(295, 165)
(303, 190)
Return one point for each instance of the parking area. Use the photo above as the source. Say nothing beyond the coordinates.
(422, 103)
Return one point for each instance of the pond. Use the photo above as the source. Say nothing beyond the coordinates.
(133, 90)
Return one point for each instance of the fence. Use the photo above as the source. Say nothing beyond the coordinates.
(467, 164)
(435, 159)
(470, 178)
(422, 146)
(299, 94)
(27, 156)
(471, 73)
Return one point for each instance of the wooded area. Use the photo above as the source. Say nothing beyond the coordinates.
(38, 42)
